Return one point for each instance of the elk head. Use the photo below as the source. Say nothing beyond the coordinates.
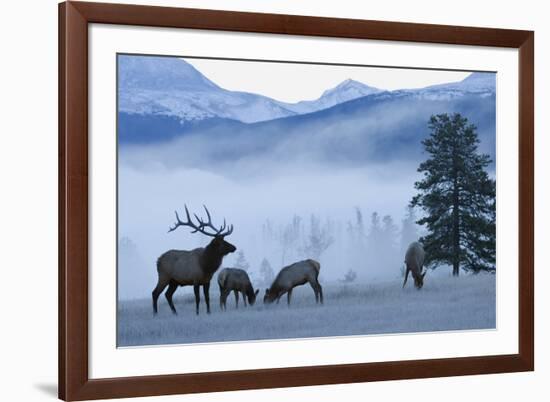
(269, 297)
(419, 280)
(252, 297)
(218, 244)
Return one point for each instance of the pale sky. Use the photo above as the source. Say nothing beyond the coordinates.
(295, 82)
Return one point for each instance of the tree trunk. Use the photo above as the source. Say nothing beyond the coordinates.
(456, 228)
(456, 267)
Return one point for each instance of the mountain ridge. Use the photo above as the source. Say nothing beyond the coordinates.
(374, 125)
(170, 86)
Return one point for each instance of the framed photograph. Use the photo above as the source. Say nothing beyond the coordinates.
(258, 200)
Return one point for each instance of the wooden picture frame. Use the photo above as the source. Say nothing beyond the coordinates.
(74, 381)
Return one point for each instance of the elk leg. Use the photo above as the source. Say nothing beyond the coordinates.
(315, 290)
(156, 293)
(221, 298)
(236, 298)
(206, 291)
(288, 297)
(244, 299)
(169, 293)
(406, 276)
(197, 289)
(318, 290)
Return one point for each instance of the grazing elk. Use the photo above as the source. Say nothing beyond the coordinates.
(194, 267)
(295, 275)
(236, 280)
(414, 261)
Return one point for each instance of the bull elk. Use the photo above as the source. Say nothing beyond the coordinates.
(414, 261)
(236, 280)
(296, 274)
(192, 267)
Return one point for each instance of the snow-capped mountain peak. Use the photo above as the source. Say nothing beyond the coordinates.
(475, 82)
(345, 91)
(160, 73)
(350, 87)
(479, 82)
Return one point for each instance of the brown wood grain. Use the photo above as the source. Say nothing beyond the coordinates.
(526, 233)
(74, 382)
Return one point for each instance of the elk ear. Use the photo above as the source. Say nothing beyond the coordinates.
(256, 292)
(424, 274)
(266, 291)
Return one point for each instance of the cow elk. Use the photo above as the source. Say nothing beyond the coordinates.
(192, 267)
(296, 274)
(236, 280)
(414, 261)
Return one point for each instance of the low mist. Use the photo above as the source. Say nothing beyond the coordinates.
(351, 219)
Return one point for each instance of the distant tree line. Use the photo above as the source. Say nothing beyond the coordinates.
(378, 243)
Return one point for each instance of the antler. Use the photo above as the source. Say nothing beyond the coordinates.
(202, 225)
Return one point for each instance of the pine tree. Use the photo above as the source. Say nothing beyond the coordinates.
(319, 238)
(375, 234)
(356, 230)
(409, 232)
(266, 272)
(359, 226)
(457, 196)
(289, 237)
(241, 261)
(389, 233)
(388, 244)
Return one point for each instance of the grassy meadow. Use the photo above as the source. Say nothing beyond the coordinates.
(444, 304)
